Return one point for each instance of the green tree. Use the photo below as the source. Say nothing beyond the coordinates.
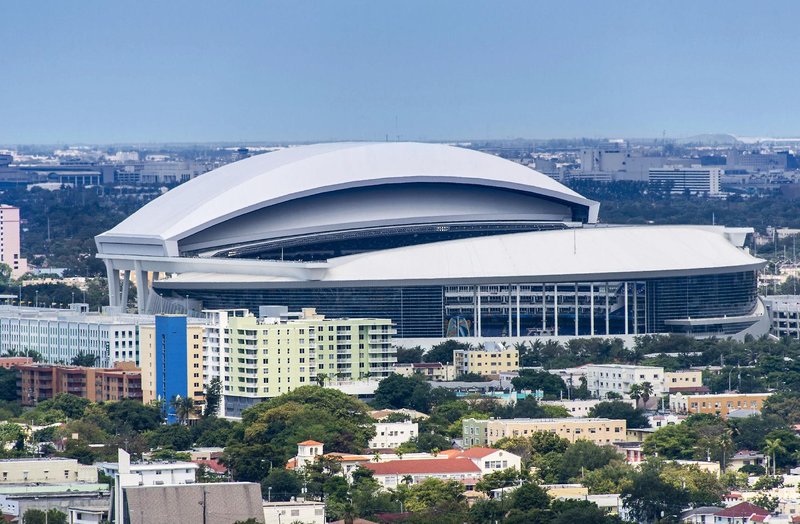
(38, 516)
(84, 359)
(649, 498)
(132, 414)
(281, 484)
(583, 456)
(213, 395)
(396, 391)
(443, 352)
(673, 442)
(529, 496)
(499, 479)
(8, 385)
(620, 410)
(769, 503)
(174, 437)
(432, 492)
(184, 408)
(409, 355)
(551, 385)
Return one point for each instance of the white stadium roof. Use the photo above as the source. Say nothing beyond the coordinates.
(543, 256)
(290, 174)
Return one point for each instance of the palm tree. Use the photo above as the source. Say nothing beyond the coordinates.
(636, 393)
(321, 378)
(772, 447)
(376, 457)
(407, 480)
(646, 390)
(184, 408)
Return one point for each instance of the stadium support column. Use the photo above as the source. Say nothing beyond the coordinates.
(555, 309)
(591, 309)
(480, 313)
(635, 308)
(126, 284)
(142, 286)
(544, 307)
(510, 326)
(113, 284)
(518, 326)
(608, 323)
(625, 302)
(576, 309)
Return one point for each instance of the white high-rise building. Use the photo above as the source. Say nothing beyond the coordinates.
(10, 249)
(694, 180)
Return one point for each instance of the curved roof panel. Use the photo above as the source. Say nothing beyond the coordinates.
(622, 252)
(265, 180)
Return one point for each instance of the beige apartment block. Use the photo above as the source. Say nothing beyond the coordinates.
(721, 404)
(45, 471)
(489, 359)
(601, 431)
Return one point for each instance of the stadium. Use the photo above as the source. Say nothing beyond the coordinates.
(445, 241)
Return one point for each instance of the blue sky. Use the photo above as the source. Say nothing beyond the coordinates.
(181, 71)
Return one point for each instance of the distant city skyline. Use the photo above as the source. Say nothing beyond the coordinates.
(196, 72)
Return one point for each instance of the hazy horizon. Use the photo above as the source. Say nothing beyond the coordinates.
(277, 72)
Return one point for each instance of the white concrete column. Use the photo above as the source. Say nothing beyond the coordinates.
(635, 308)
(576, 309)
(142, 287)
(626, 307)
(591, 307)
(126, 284)
(608, 322)
(518, 320)
(555, 309)
(113, 284)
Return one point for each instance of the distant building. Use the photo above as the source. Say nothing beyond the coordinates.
(683, 380)
(37, 382)
(10, 362)
(721, 404)
(579, 408)
(296, 510)
(489, 359)
(389, 435)
(10, 248)
(54, 470)
(784, 315)
(61, 334)
(692, 180)
(17, 499)
(155, 473)
(430, 370)
(618, 378)
(601, 431)
(392, 474)
(211, 503)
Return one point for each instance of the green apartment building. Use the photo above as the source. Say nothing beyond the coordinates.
(259, 357)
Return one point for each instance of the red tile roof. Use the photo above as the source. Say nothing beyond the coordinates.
(477, 453)
(309, 443)
(742, 509)
(213, 465)
(423, 466)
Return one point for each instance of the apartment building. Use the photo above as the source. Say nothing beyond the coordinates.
(61, 334)
(10, 248)
(579, 408)
(431, 370)
(259, 357)
(491, 358)
(603, 379)
(601, 431)
(720, 404)
(683, 380)
(52, 470)
(172, 361)
(389, 435)
(37, 382)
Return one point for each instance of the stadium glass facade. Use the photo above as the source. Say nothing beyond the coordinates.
(526, 309)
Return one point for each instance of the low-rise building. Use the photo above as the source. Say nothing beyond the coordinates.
(393, 473)
(430, 370)
(491, 358)
(682, 379)
(37, 382)
(155, 473)
(580, 408)
(10, 362)
(601, 431)
(744, 458)
(490, 460)
(87, 515)
(16, 499)
(389, 435)
(618, 379)
(54, 470)
(659, 420)
(299, 510)
(742, 513)
(717, 404)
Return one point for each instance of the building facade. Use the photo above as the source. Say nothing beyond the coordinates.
(489, 359)
(10, 247)
(579, 408)
(686, 379)
(720, 404)
(601, 431)
(692, 180)
(435, 371)
(265, 356)
(54, 470)
(37, 382)
(603, 379)
(389, 435)
(784, 315)
(172, 361)
(61, 334)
